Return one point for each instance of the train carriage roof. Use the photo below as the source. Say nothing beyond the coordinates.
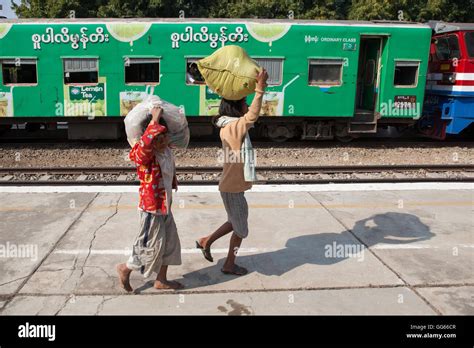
(442, 27)
(380, 23)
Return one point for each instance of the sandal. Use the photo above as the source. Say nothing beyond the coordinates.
(236, 270)
(205, 252)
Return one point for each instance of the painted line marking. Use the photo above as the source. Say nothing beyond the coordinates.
(180, 206)
(127, 252)
(435, 186)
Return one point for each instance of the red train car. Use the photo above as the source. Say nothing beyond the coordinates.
(449, 101)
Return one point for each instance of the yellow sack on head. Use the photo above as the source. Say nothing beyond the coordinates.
(230, 72)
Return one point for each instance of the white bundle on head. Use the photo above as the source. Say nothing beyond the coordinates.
(137, 120)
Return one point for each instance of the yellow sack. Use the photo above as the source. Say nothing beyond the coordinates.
(230, 72)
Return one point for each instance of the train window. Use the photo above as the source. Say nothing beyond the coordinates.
(193, 75)
(274, 68)
(470, 43)
(142, 70)
(406, 73)
(325, 72)
(19, 71)
(81, 70)
(448, 48)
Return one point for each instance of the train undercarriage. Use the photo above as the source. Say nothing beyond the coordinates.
(278, 130)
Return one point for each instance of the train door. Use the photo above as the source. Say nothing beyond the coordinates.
(368, 81)
(368, 76)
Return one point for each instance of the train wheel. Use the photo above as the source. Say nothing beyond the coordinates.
(32, 127)
(345, 139)
(342, 133)
(279, 134)
(4, 128)
(279, 139)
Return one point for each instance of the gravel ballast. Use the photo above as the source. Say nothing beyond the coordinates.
(267, 154)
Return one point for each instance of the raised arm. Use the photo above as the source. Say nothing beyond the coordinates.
(246, 121)
(142, 151)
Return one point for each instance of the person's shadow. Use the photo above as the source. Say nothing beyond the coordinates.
(320, 248)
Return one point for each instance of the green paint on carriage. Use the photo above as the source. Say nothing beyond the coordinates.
(296, 43)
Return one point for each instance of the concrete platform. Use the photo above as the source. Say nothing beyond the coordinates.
(329, 250)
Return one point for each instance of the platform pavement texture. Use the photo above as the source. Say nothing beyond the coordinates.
(383, 252)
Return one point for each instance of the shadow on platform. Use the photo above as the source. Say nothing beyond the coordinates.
(318, 249)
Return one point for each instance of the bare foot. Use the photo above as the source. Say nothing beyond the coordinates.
(124, 276)
(167, 284)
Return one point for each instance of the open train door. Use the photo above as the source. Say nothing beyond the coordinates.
(368, 84)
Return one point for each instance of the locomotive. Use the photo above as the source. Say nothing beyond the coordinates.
(449, 101)
(327, 79)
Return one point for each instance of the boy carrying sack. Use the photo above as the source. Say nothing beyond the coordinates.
(157, 244)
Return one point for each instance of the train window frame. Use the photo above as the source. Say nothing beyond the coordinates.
(190, 60)
(409, 63)
(27, 61)
(447, 38)
(469, 44)
(326, 61)
(280, 60)
(80, 83)
(128, 59)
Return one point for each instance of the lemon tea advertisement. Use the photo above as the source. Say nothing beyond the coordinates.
(85, 100)
(6, 105)
(130, 99)
(209, 102)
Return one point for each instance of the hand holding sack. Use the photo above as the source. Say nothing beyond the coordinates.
(138, 118)
(230, 72)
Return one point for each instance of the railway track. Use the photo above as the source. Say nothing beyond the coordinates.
(206, 141)
(266, 175)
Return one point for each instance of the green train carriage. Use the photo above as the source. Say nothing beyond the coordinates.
(327, 79)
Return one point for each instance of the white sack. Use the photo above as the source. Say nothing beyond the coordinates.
(138, 118)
